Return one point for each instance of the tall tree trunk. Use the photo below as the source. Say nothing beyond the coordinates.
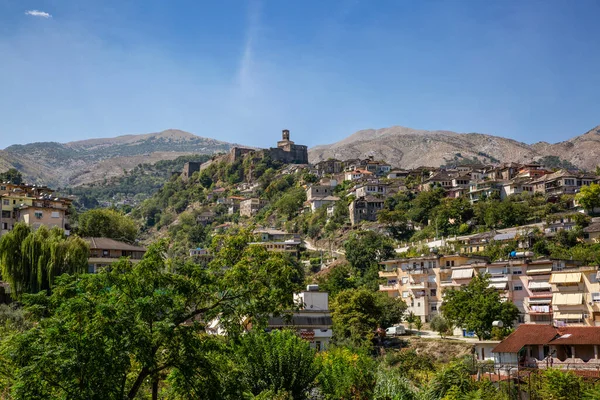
(138, 383)
(155, 387)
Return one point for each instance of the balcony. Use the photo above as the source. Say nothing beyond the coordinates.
(419, 271)
(446, 283)
(418, 285)
(387, 288)
(388, 274)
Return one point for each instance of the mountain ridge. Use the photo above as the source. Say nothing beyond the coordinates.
(410, 148)
(90, 160)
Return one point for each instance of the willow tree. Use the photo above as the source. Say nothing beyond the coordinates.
(30, 260)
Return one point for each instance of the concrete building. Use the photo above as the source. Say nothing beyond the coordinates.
(313, 321)
(319, 191)
(32, 205)
(250, 207)
(546, 291)
(365, 209)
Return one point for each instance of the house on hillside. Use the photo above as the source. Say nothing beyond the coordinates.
(250, 207)
(105, 251)
(546, 346)
(365, 209)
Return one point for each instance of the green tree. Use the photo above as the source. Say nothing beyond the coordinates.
(439, 324)
(290, 202)
(106, 223)
(30, 260)
(418, 324)
(12, 175)
(357, 313)
(278, 361)
(120, 333)
(476, 306)
(367, 249)
(589, 196)
(346, 374)
(560, 385)
(337, 279)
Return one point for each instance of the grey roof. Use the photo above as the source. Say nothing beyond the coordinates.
(111, 244)
(297, 320)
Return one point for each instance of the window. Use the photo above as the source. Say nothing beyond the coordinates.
(433, 292)
(517, 288)
(596, 297)
(569, 182)
(405, 295)
(105, 253)
(2, 187)
(434, 307)
(55, 214)
(517, 271)
(418, 304)
(404, 280)
(6, 202)
(38, 214)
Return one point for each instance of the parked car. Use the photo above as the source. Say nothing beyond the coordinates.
(395, 330)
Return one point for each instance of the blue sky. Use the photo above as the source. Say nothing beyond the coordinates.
(241, 71)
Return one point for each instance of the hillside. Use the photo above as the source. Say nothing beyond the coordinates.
(85, 161)
(411, 148)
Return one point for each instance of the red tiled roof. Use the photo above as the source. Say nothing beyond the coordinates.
(574, 335)
(529, 334)
(524, 335)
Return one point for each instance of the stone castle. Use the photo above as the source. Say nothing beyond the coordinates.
(286, 152)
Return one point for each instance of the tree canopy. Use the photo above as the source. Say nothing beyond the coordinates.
(125, 330)
(106, 223)
(357, 313)
(30, 260)
(476, 306)
(12, 175)
(589, 197)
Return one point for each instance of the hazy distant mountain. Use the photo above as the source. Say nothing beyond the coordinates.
(75, 163)
(410, 148)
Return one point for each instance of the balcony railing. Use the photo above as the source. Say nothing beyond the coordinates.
(389, 287)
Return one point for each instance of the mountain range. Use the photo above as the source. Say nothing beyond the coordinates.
(93, 160)
(411, 148)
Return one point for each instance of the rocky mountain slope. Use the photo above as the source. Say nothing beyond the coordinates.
(85, 161)
(411, 148)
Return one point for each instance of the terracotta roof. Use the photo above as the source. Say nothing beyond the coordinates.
(529, 334)
(111, 244)
(574, 335)
(524, 335)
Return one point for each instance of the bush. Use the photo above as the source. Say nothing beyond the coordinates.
(345, 374)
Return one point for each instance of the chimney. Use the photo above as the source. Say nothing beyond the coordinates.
(285, 134)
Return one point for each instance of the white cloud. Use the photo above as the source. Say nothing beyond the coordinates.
(38, 13)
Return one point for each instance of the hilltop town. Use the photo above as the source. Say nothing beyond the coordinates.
(525, 234)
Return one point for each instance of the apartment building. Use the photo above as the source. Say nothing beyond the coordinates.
(250, 207)
(32, 205)
(421, 281)
(546, 291)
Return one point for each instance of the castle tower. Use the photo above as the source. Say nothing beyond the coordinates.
(285, 134)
